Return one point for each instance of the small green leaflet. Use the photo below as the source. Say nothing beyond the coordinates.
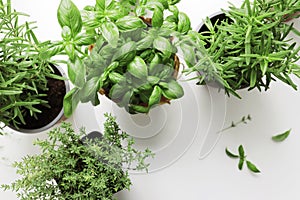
(230, 154)
(252, 167)
(281, 137)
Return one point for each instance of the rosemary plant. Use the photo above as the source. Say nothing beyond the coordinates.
(24, 67)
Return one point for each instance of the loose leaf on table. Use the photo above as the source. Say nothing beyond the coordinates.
(252, 167)
(230, 154)
(241, 151)
(281, 137)
(241, 163)
(69, 15)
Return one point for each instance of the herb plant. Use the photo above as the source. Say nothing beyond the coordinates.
(252, 49)
(24, 68)
(69, 168)
(132, 58)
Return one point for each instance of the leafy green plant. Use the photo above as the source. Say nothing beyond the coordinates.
(132, 59)
(69, 168)
(252, 49)
(24, 68)
(242, 159)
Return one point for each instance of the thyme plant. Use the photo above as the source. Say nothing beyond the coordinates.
(71, 168)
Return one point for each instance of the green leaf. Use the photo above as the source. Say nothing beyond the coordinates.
(110, 32)
(252, 167)
(253, 78)
(281, 137)
(69, 15)
(230, 154)
(71, 101)
(241, 163)
(241, 151)
(139, 109)
(162, 44)
(155, 96)
(158, 17)
(84, 39)
(153, 80)
(138, 68)
(130, 23)
(184, 23)
(115, 77)
(70, 51)
(173, 90)
(76, 72)
(89, 91)
(102, 5)
(117, 91)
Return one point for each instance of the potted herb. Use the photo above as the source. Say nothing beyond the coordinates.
(31, 86)
(70, 167)
(252, 49)
(133, 58)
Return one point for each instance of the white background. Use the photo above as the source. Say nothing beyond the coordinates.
(215, 177)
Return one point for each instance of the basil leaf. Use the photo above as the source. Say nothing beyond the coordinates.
(130, 23)
(124, 50)
(173, 90)
(281, 137)
(115, 77)
(252, 167)
(117, 91)
(241, 151)
(184, 23)
(162, 44)
(66, 33)
(230, 154)
(70, 51)
(241, 163)
(154, 64)
(155, 96)
(69, 15)
(189, 54)
(145, 43)
(102, 5)
(126, 99)
(110, 32)
(153, 80)
(138, 68)
(158, 17)
(84, 39)
(76, 72)
(71, 101)
(89, 92)
(139, 109)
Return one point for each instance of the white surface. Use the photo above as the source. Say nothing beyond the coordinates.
(215, 177)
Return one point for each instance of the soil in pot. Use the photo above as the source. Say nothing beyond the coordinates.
(54, 97)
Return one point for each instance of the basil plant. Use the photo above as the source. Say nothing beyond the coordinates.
(115, 49)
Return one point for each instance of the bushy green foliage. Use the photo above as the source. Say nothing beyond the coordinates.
(24, 67)
(133, 58)
(69, 168)
(253, 49)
